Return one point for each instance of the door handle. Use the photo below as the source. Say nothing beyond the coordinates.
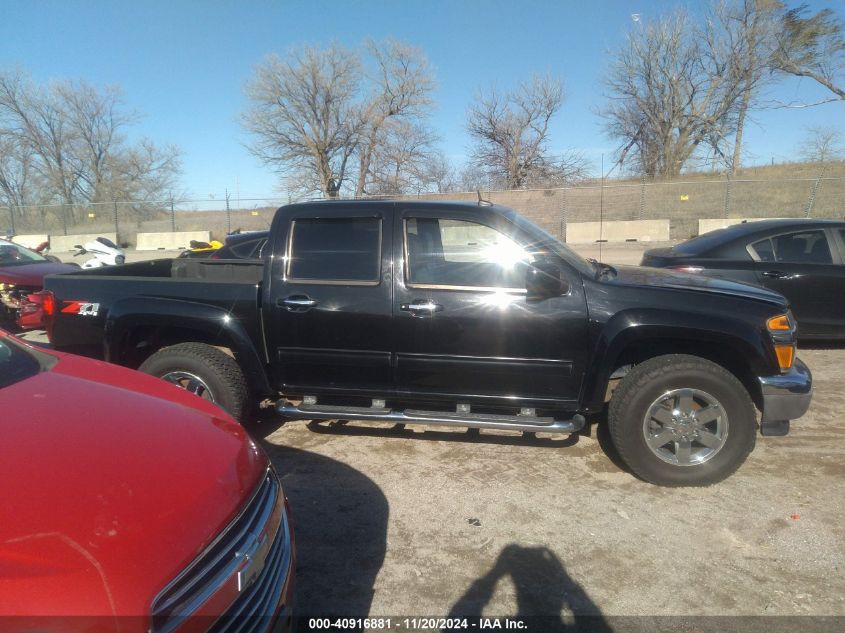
(775, 274)
(296, 302)
(421, 308)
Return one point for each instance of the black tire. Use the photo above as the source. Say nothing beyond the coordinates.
(222, 377)
(646, 389)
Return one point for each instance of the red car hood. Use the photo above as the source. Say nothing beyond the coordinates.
(33, 274)
(108, 493)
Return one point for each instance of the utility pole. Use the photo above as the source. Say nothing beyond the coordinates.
(228, 215)
(116, 227)
(172, 214)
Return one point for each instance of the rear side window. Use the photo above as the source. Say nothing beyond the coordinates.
(247, 248)
(805, 247)
(335, 250)
(764, 249)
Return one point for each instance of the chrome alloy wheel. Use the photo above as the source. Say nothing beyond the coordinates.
(685, 427)
(189, 382)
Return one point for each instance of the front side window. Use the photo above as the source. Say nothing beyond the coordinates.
(335, 250)
(457, 253)
(805, 247)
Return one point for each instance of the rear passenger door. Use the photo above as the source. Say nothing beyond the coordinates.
(327, 307)
(806, 267)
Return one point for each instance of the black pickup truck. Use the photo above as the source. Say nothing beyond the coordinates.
(453, 314)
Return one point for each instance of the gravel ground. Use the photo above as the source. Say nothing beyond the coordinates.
(427, 522)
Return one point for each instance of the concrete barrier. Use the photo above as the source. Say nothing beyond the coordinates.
(66, 243)
(707, 225)
(172, 241)
(30, 241)
(618, 231)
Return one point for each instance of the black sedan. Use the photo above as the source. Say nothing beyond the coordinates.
(802, 259)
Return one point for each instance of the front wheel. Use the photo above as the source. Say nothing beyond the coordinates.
(204, 371)
(680, 420)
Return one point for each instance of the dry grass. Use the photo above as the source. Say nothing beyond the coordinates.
(782, 190)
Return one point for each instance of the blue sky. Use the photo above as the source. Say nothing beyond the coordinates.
(183, 65)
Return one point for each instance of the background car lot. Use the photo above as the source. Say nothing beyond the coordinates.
(431, 522)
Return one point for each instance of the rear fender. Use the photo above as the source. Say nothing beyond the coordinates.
(217, 324)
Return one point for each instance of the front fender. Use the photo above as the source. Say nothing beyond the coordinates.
(745, 343)
(126, 315)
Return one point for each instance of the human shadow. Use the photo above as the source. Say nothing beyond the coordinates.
(340, 524)
(544, 592)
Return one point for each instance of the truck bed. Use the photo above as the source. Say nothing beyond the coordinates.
(85, 299)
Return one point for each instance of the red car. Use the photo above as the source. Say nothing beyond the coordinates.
(130, 504)
(21, 275)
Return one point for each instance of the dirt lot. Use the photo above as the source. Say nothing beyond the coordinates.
(429, 522)
(401, 522)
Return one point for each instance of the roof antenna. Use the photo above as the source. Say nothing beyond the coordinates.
(482, 201)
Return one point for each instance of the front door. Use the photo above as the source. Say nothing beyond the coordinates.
(463, 323)
(327, 306)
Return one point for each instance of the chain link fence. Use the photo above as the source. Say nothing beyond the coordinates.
(682, 202)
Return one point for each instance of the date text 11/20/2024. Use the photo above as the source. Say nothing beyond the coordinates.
(414, 624)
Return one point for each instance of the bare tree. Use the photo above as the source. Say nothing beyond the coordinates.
(70, 144)
(402, 86)
(316, 112)
(15, 172)
(823, 144)
(34, 117)
(812, 45)
(306, 119)
(511, 130)
(438, 174)
(672, 95)
(96, 121)
(743, 33)
(400, 158)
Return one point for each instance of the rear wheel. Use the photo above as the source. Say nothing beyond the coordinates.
(681, 420)
(204, 371)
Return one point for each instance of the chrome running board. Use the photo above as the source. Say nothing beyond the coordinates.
(524, 423)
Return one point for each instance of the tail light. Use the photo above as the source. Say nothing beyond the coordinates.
(48, 302)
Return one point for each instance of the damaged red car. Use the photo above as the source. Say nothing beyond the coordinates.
(22, 274)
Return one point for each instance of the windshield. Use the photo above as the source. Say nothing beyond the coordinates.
(552, 243)
(12, 254)
(16, 363)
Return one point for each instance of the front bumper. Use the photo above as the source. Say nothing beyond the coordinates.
(785, 397)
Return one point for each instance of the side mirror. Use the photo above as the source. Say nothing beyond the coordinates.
(544, 280)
